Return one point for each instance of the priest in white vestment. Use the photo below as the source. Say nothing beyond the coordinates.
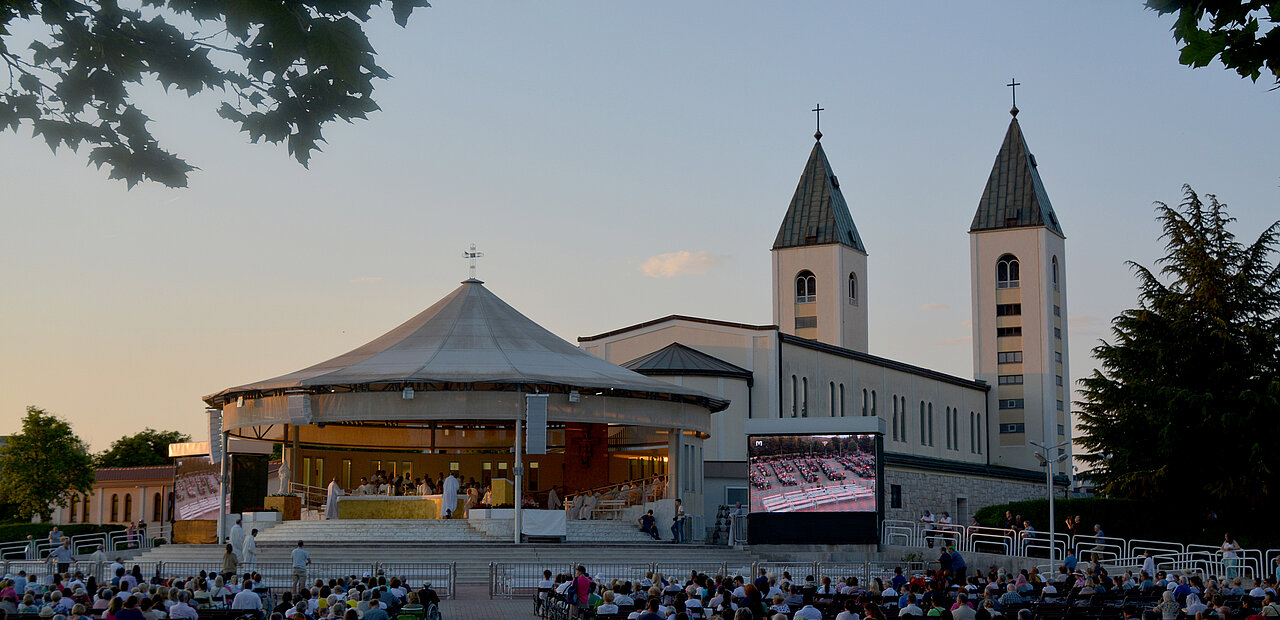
(331, 503)
(249, 551)
(553, 500)
(450, 504)
(237, 539)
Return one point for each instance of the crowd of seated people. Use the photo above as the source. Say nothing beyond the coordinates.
(1085, 592)
(206, 596)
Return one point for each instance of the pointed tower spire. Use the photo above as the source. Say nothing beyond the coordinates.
(1014, 196)
(818, 214)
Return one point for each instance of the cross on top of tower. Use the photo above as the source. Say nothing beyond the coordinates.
(471, 255)
(1013, 88)
(817, 110)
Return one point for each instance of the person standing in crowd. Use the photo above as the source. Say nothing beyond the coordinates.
(677, 524)
(300, 559)
(63, 555)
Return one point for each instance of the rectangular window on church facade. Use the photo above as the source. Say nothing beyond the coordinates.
(1008, 309)
(1010, 380)
(806, 322)
(1012, 403)
(1006, 429)
(1008, 331)
(895, 496)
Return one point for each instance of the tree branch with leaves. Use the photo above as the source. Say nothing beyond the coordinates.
(285, 68)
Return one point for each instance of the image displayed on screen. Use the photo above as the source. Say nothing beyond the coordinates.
(812, 473)
(195, 486)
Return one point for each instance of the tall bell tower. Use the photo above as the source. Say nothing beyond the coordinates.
(819, 262)
(1017, 253)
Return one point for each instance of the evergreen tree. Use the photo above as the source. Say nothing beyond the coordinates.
(1190, 384)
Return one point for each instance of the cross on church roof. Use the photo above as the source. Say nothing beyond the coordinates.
(817, 109)
(472, 255)
(1013, 87)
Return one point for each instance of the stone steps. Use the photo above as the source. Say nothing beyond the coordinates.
(470, 545)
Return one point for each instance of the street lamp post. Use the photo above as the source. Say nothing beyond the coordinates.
(1046, 458)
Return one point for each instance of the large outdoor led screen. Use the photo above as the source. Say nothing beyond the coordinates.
(812, 473)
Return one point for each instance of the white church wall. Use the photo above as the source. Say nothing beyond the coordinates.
(961, 495)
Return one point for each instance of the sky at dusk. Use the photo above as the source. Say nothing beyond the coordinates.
(615, 162)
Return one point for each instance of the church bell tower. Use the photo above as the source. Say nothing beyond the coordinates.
(819, 262)
(1017, 254)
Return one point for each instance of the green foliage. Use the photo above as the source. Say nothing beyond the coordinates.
(285, 69)
(1227, 29)
(1117, 519)
(149, 447)
(43, 466)
(1177, 410)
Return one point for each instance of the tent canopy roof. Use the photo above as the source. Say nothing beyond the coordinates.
(470, 337)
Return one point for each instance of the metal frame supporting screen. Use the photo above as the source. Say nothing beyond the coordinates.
(814, 488)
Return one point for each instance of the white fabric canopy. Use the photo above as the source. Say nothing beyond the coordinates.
(469, 337)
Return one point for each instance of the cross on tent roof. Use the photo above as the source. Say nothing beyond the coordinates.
(472, 255)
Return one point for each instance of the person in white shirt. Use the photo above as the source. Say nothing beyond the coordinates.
(809, 612)
(911, 609)
(928, 520)
(886, 594)
(247, 599)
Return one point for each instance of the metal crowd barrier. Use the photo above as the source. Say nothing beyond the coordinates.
(1114, 552)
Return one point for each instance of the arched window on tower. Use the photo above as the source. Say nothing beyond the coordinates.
(853, 288)
(806, 287)
(1007, 271)
(1055, 273)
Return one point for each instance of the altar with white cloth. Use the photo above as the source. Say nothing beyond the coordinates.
(390, 507)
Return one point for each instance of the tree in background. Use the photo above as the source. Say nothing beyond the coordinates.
(43, 466)
(284, 69)
(1188, 391)
(1232, 30)
(149, 447)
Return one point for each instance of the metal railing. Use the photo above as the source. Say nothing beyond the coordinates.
(1115, 553)
(85, 544)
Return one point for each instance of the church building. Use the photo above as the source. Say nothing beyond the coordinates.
(950, 443)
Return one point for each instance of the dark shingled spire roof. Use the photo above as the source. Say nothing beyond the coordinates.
(818, 214)
(677, 359)
(1015, 196)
